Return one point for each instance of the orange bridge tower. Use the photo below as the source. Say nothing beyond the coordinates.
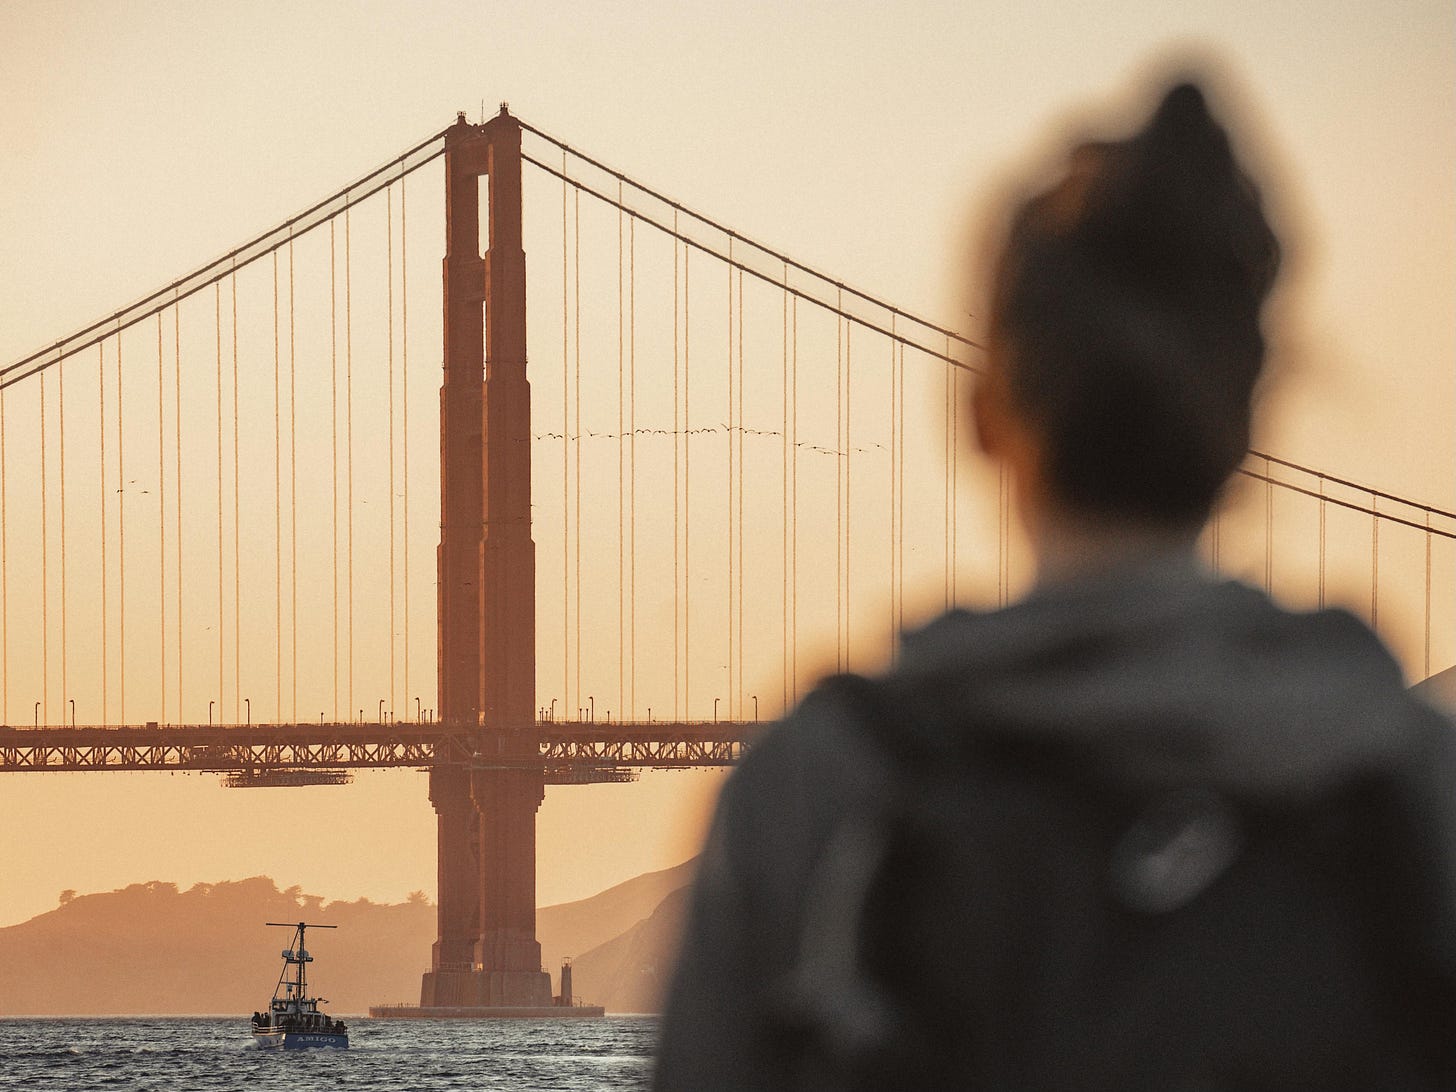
(487, 954)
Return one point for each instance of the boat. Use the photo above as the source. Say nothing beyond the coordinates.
(293, 1019)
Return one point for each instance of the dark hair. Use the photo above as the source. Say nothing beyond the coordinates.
(1129, 298)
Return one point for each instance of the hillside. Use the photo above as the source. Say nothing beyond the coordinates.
(152, 949)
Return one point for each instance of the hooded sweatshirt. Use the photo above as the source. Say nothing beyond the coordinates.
(1143, 683)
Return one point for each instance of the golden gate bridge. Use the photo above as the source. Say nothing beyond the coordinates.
(671, 527)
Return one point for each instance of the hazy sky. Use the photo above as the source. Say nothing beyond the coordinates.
(142, 139)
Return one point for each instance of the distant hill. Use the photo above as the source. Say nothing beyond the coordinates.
(150, 949)
(574, 928)
(629, 973)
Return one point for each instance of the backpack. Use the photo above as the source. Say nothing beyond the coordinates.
(1000, 919)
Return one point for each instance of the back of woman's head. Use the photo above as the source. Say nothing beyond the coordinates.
(1128, 303)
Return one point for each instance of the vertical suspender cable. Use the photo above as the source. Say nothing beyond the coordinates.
(894, 495)
(955, 462)
(1268, 529)
(900, 494)
(334, 442)
(839, 480)
(739, 434)
(349, 434)
(404, 409)
(177, 421)
(120, 550)
(687, 482)
(576, 418)
(848, 498)
(794, 507)
(61, 475)
(1214, 535)
(277, 506)
(784, 456)
(632, 452)
(1000, 533)
(162, 524)
(1322, 542)
(389, 277)
(565, 450)
(728, 432)
(237, 529)
(1374, 559)
(217, 308)
(5, 580)
(946, 485)
(676, 485)
(45, 583)
(621, 472)
(1426, 675)
(101, 435)
(292, 495)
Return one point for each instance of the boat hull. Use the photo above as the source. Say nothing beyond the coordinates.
(275, 1039)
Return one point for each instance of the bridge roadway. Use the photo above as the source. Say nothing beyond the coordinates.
(567, 752)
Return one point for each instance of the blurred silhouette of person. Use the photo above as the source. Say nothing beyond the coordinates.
(1143, 828)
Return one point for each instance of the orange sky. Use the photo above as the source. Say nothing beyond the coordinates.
(862, 139)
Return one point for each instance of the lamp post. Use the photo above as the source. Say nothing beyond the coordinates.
(73, 712)
(381, 710)
(755, 706)
(715, 709)
(37, 714)
(248, 704)
(417, 708)
(209, 712)
(552, 715)
(592, 714)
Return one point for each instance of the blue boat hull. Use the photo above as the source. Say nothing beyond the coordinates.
(274, 1039)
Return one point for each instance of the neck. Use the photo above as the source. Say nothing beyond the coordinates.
(1071, 548)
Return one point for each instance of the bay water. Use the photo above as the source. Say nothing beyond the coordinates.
(179, 1054)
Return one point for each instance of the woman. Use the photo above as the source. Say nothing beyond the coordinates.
(1143, 829)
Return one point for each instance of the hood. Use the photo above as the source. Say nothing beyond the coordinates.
(1162, 676)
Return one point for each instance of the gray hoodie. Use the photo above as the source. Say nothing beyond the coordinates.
(1145, 680)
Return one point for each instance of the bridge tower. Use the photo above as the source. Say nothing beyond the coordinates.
(487, 954)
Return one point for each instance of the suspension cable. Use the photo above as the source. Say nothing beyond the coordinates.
(894, 495)
(848, 500)
(955, 462)
(224, 266)
(742, 390)
(730, 233)
(1426, 675)
(784, 459)
(1268, 531)
(881, 328)
(794, 507)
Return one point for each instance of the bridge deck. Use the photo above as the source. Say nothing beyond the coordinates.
(566, 751)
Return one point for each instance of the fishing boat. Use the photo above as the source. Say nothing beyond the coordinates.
(293, 1019)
